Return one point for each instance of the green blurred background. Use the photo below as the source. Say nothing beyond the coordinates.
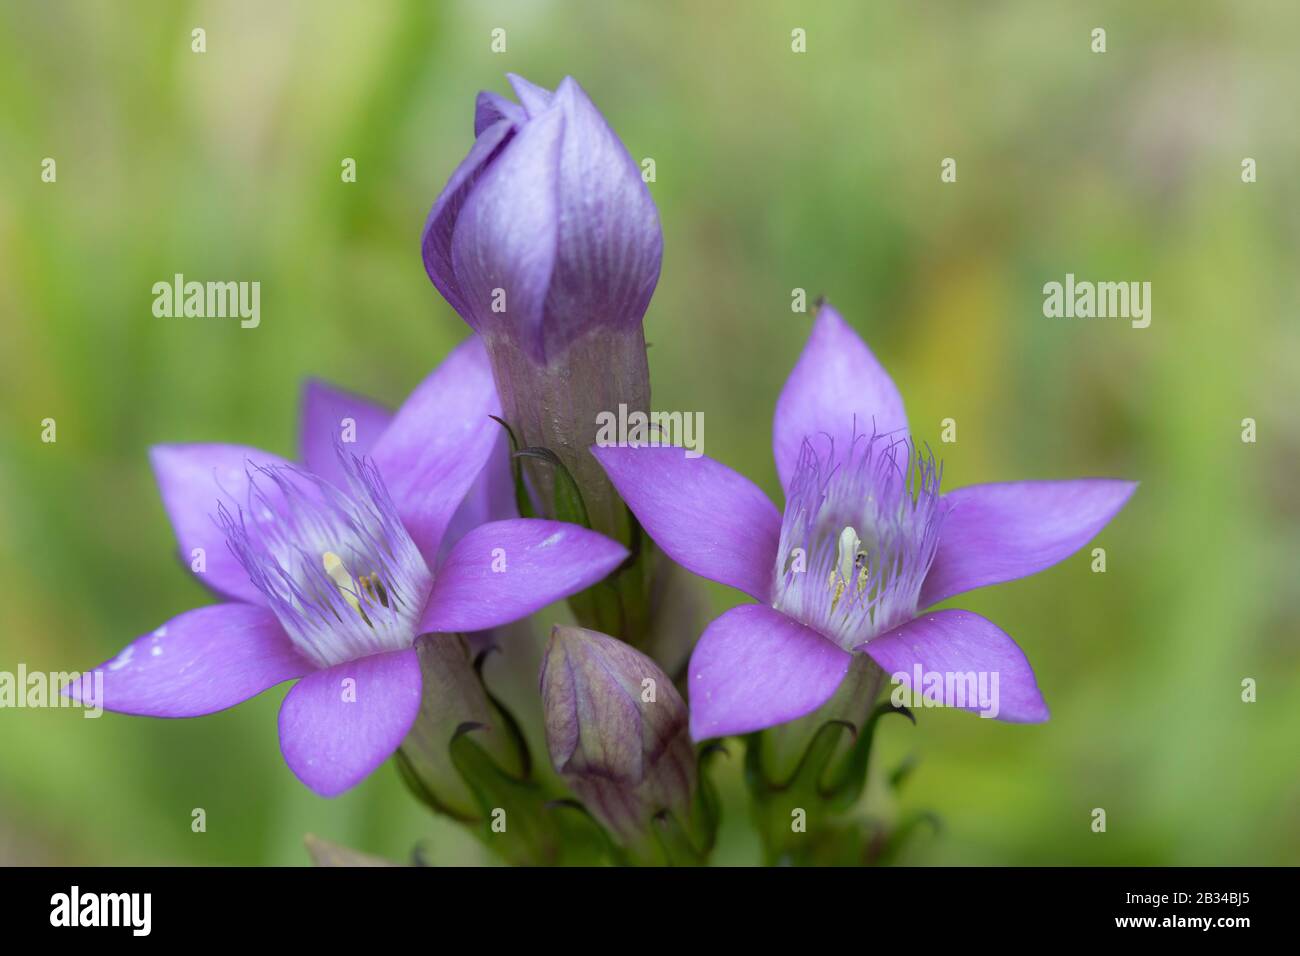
(775, 171)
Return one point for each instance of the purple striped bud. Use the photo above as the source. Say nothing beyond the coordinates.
(546, 232)
(617, 731)
(547, 242)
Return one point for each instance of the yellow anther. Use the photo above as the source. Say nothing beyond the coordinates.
(837, 585)
(342, 579)
(374, 589)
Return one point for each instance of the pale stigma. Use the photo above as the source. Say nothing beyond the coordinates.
(849, 557)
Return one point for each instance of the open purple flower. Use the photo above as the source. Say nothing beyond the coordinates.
(333, 569)
(865, 544)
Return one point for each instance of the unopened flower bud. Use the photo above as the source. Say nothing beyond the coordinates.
(547, 242)
(617, 731)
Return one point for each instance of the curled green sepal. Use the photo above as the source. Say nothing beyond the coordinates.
(566, 503)
(689, 842)
(839, 781)
(674, 841)
(841, 785)
(521, 822)
(825, 784)
(523, 500)
(454, 696)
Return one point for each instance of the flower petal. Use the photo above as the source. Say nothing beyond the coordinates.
(754, 668)
(438, 443)
(534, 99)
(490, 498)
(338, 724)
(837, 389)
(490, 108)
(200, 662)
(999, 532)
(953, 644)
(436, 238)
(325, 410)
(610, 244)
(505, 570)
(709, 519)
(504, 245)
(193, 480)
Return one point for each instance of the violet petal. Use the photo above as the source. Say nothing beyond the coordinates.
(193, 480)
(440, 226)
(533, 98)
(504, 246)
(837, 390)
(999, 532)
(505, 570)
(610, 243)
(754, 668)
(438, 443)
(324, 409)
(954, 642)
(490, 498)
(711, 520)
(491, 108)
(199, 662)
(337, 725)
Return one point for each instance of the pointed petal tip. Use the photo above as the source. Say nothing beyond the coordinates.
(838, 389)
(951, 648)
(533, 98)
(490, 108)
(193, 480)
(164, 453)
(570, 90)
(827, 311)
(1003, 531)
(202, 661)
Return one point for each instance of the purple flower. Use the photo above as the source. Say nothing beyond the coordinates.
(865, 544)
(545, 231)
(333, 569)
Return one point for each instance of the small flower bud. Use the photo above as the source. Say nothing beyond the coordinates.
(547, 242)
(546, 232)
(617, 731)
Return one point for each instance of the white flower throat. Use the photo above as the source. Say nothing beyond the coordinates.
(338, 569)
(857, 538)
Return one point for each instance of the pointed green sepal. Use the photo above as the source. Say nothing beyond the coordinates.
(523, 500)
